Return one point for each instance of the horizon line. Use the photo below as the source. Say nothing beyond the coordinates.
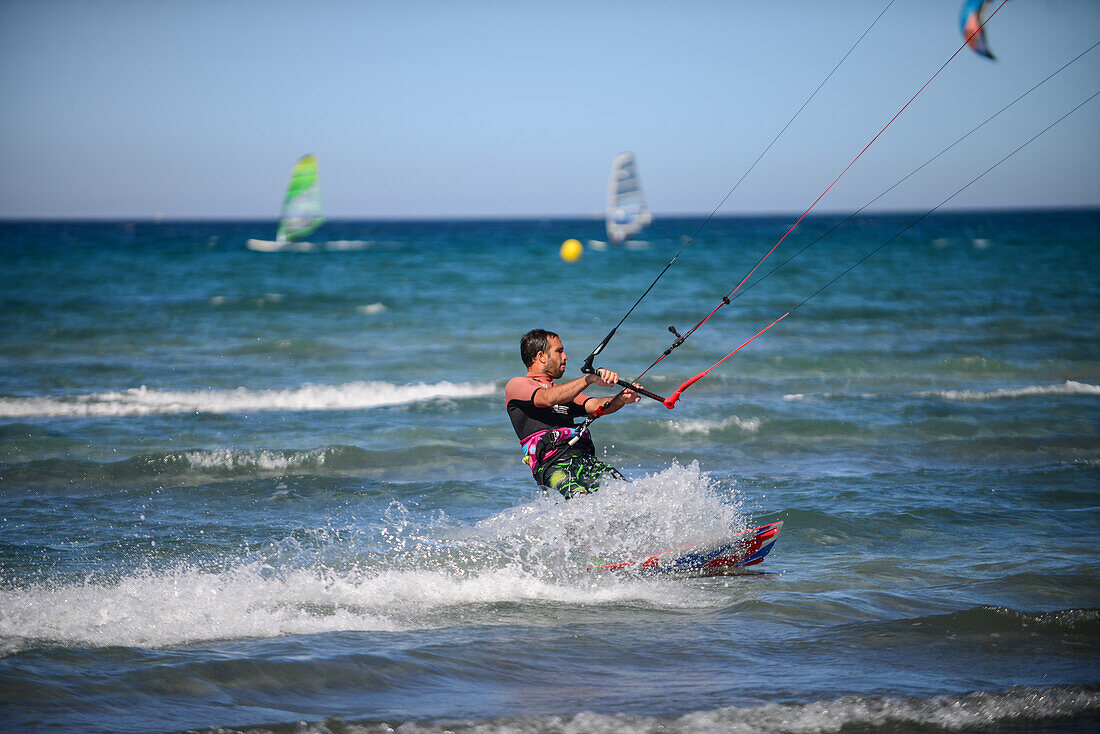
(158, 218)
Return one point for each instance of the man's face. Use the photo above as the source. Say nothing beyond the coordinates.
(555, 358)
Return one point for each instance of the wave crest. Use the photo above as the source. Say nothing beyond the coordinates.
(1069, 387)
(145, 401)
(1020, 708)
(748, 425)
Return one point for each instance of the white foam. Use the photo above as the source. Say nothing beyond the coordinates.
(951, 712)
(371, 308)
(252, 459)
(188, 604)
(146, 401)
(347, 245)
(621, 522)
(1069, 387)
(1015, 707)
(154, 609)
(749, 425)
(407, 575)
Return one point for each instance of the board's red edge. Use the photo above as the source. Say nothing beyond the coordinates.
(757, 538)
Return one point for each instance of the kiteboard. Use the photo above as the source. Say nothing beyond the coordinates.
(725, 556)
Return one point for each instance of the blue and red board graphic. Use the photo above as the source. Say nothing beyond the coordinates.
(717, 557)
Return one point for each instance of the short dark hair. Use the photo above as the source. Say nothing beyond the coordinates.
(533, 342)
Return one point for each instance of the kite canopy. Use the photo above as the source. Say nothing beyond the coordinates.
(971, 20)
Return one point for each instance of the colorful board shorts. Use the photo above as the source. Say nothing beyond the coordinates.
(577, 475)
(569, 468)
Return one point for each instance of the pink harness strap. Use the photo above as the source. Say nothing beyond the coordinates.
(531, 442)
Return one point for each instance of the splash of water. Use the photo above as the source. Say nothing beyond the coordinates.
(403, 572)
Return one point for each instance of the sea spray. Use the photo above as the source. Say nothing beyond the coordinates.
(405, 570)
(623, 520)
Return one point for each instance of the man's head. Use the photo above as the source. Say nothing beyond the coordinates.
(545, 348)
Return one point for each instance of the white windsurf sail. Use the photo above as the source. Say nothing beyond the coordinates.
(627, 214)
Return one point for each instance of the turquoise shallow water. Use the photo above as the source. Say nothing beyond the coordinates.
(247, 490)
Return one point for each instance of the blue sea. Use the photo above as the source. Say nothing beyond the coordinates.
(278, 491)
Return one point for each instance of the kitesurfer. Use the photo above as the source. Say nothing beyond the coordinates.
(543, 414)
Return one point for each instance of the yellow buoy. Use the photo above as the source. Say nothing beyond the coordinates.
(571, 250)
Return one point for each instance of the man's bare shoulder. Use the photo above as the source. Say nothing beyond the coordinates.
(520, 388)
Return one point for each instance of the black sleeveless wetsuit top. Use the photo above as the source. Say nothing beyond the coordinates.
(528, 419)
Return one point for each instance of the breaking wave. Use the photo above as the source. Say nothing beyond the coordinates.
(402, 572)
(145, 401)
(748, 425)
(1069, 387)
(1018, 709)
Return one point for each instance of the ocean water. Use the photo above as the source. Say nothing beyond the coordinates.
(246, 491)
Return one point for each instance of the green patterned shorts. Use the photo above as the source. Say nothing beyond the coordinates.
(578, 475)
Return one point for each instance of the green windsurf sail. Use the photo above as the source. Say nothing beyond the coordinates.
(301, 215)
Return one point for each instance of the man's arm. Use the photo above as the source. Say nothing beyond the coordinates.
(610, 405)
(567, 392)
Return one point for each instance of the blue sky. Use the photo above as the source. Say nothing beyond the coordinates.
(466, 109)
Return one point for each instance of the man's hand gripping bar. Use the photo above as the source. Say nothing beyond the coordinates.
(587, 368)
(590, 370)
(640, 390)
